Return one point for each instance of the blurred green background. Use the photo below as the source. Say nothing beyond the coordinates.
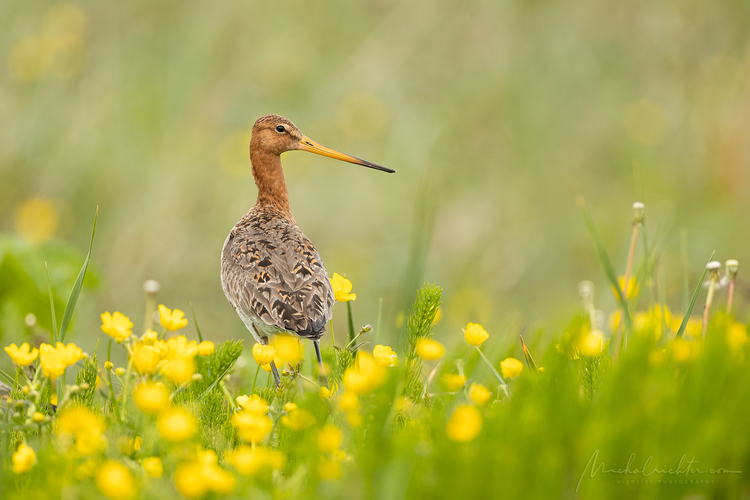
(495, 115)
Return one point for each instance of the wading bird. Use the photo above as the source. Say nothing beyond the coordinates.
(271, 273)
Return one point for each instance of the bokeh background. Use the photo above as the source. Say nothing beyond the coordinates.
(496, 115)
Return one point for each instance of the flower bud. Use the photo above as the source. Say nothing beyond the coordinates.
(732, 267)
(26, 389)
(197, 377)
(84, 386)
(713, 268)
(108, 365)
(151, 286)
(120, 371)
(367, 328)
(74, 389)
(638, 211)
(30, 320)
(38, 417)
(586, 290)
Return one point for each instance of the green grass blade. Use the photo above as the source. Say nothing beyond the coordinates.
(606, 264)
(52, 307)
(195, 322)
(529, 360)
(689, 311)
(73, 299)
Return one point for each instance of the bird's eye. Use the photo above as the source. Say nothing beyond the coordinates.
(280, 129)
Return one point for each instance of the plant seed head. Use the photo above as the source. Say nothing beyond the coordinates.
(638, 211)
(732, 267)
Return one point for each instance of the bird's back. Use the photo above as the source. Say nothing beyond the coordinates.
(273, 276)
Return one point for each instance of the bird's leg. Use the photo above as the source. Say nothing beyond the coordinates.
(321, 371)
(276, 376)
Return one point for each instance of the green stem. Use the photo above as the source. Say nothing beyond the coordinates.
(224, 390)
(255, 379)
(109, 382)
(494, 371)
(126, 384)
(351, 320)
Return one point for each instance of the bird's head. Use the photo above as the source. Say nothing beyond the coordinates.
(275, 134)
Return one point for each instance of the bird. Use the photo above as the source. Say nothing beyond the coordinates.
(271, 273)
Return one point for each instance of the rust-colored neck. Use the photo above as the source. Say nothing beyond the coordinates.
(269, 177)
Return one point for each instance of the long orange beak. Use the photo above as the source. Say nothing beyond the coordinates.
(307, 144)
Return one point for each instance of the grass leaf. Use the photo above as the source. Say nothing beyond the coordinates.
(689, 311)
(606, 264)
(52, 307)
(73, 299)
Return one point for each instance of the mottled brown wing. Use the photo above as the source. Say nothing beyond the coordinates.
(271, 271)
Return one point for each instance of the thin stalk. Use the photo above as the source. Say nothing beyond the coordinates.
(730, 299)
(709, 300)
(255, 379)
(494, 371)
(109, 382)
(225, 391)
(351, 320)
(126, 384)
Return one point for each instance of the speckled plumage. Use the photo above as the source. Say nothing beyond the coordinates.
(273, 276)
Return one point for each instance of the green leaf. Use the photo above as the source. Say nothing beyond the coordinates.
(692, 301)
(195, 321)
(52, 307)
(73, 299)
(606, 264)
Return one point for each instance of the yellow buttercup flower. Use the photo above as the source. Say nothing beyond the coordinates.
(479, 394)
(22, 356)
(180, 347)
(341, 288)
(429, 349)
(149, 337)
(365, 375)
(151, 398)
(252, 428)
(171, 320)
(117, 325)
(632, 290)
(252, 461)
(348, 401)
(384, 355)
(116, 481)
(86, 427)
(254, 404)
(153, 467)
(736, 336)
(206, 348)
(591, 343)
(38, 417)
(464, 425)
(179, 370)
(54, 360)
(176, 424)
(329, 438)
(511, 367)
(145, 360)
(195, 478)
(23, 459)
(298, 419)
(453, 381)
(288, 349)
(263, 354)
(475, 334)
